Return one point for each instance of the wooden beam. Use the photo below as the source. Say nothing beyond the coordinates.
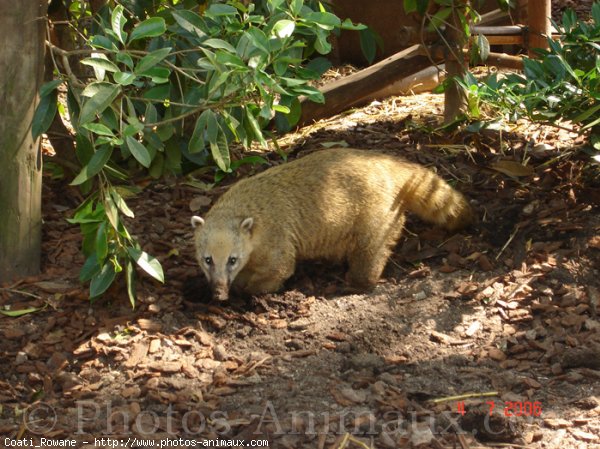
(506, 30)
(358, 88)
(504, 60)
(493, 16)
(506, 40)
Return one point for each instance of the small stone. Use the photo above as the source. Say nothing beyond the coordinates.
(220, 353)
(20, 358)
(496, 354)
(419, 296)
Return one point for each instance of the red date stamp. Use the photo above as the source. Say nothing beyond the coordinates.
(509, 408)
(519, 408)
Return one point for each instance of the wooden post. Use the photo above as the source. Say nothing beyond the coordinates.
(538, 19)
(22, 34)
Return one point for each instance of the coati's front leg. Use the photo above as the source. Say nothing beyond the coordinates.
(267, 274)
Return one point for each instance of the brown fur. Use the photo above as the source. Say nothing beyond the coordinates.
(338, 204)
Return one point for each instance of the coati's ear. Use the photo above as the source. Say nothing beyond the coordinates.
(197, 221)
(247, 224)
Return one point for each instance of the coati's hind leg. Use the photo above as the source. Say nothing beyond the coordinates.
(368, 258)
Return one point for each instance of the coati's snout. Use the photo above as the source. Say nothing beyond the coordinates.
(220, 292)
(222, 250)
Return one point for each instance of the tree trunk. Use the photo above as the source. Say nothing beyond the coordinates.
(22, 67)
(455, 97)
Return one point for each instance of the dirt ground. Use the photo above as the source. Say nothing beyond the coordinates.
(487, 338)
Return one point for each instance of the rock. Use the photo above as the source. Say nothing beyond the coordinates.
(21, 358)
(220, 353)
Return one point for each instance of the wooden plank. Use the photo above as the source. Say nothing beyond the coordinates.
(358, 88)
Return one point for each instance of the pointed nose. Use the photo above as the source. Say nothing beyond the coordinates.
(220, 292)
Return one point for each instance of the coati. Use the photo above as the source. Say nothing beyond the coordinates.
(337, 204)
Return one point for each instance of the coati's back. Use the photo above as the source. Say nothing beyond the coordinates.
(333, 188)
(333, 204)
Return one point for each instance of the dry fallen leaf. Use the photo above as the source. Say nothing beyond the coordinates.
(512, 168)
(198, 202)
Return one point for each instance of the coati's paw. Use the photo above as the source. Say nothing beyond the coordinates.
(357, 283)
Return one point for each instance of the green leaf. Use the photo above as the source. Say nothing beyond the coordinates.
(21, 312)
(124, 78)
(101, 242)
(196, 143)
(90, 268)
(157, 167)
(220, 153)
(102, 280)
(152, 27)
(148, 263)
(596, 13)
(325, 20)
(124, 58)
(121, 204)
(99, 128)
(368, 44)
(159, 75)
(282, 109)
(44, 114)
(321, 44)
(231, 60)
(83, 147)
(319, 65)
(118, 21)
(158, 93)
(256, 130)
(219, 44)
(480, 50)
(49, 87)
(103, 42)
(217, 9)
(423, 6)
(97, 162)
(190, 22)
(439, 18)
(259, 39)
(151, 59)
(100, 63)
(284, 28)
(410, 6)
(586, 114)
(103, 94)
(111, 212)
(139, 151)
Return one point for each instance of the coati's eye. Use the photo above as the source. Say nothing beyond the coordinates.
(208, 260)
(232, 260)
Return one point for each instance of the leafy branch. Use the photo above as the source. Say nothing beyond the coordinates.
(167, 89)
